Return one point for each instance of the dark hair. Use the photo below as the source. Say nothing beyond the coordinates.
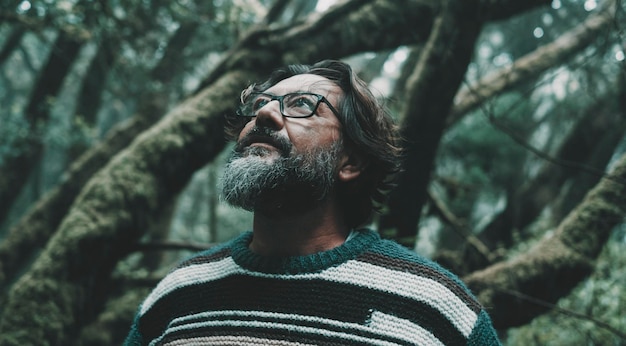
(368, 131)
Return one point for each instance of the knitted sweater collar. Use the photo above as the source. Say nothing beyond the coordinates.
(247, 259)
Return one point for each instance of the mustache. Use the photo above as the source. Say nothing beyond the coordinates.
(264, 135)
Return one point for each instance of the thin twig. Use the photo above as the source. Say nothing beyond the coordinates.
(459, 227)
(555, 160)
(564, 311)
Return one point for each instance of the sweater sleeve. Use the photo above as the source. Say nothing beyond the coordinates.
(483, 333)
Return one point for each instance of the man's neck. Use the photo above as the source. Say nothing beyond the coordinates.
(297, 234)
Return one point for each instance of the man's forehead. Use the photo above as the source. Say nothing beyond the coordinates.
(304, 82)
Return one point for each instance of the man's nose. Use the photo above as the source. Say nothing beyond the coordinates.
(269, 116)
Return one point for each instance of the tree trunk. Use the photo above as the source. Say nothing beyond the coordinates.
(15, 170)
(93, 85)
(430, 91)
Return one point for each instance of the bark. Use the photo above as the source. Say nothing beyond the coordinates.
(553, 267)
(34, 229)
(72, 274)
(15, 169)
(430, 91)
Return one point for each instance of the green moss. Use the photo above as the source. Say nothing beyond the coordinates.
(38, 311)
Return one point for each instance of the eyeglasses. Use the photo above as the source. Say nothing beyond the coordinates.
(292, 105)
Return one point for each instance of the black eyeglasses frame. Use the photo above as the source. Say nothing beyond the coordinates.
(320, 98)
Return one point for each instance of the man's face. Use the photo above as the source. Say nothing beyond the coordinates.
(286, 162)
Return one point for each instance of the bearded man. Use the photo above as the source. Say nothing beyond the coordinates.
(314, 155)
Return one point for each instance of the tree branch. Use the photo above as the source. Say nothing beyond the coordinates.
(555, 265)
(111, 214)
(532, 64)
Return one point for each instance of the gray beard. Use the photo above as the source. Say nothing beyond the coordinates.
(297, 181)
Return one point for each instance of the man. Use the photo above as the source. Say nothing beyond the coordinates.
(313, 158)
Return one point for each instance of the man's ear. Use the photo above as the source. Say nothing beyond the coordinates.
(351, 167)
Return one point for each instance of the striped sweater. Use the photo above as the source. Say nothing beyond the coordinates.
(368, 291)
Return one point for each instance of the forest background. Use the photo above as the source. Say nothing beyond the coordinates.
(512, 114)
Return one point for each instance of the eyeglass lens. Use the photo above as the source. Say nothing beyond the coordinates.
(292, 105)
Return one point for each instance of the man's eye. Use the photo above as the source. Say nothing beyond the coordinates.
(259, 102)
(302, 101)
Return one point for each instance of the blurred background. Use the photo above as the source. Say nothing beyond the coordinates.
(111, 149)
